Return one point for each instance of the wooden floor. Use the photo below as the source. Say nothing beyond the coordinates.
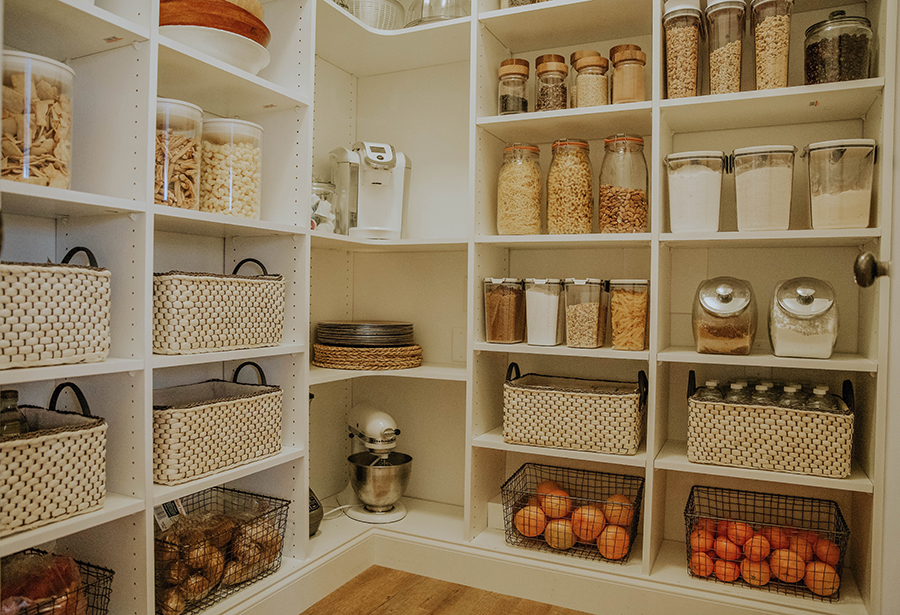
(382, 591)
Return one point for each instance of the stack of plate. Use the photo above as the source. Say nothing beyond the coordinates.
(376, 345)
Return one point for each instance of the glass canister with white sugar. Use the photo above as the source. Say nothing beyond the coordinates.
(803, 319)
(231, 168)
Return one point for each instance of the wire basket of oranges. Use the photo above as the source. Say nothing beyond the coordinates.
(785, 544)
(592, 515)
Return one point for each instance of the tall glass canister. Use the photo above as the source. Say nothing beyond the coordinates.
(772, 41)
(681, 22)
(725, 24)
(519, 191)
(623, 186)
(177, 173)
(570, 196)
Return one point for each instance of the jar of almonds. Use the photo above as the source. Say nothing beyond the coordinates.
(177, 173)
(230, 179)
(570, 196)
(623, 186)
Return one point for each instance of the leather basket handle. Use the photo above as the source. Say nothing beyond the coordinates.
(54, 398)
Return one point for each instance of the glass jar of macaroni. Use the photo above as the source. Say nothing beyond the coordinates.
(570, 197)
(230, 168)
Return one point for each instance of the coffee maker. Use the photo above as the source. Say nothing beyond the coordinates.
(372, 188)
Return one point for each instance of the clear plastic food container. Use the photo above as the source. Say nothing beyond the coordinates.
(695, 190)
(37, 120)
(838, 49)
(544, 304)
(422, 11)
(178, 132)
(325, 215)
(724, 316)
(725, 22)
(504, 310)
(231, 166)
(772, 38)
(585, 313)
(519, 190)
(840, 182)
(763, 179)
(803, 319)
(681, 22)
(628, 313)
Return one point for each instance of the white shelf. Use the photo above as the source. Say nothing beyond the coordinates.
(167, 493)
(174, 220)
(565, 351)
(361, 50)
(65, 30)
(559, 23)
(47, 202)
(115, 507)
(434, 371)
(494, 440)
(235, 603)
(217, 87)
(848, 100)
(837, 362)
(160, 361)
(773, 239)
(66, 372)
(585, 123)
(673, 456)
(566, 242)
(330, 241)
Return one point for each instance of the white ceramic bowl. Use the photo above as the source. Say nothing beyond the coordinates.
(226, 46)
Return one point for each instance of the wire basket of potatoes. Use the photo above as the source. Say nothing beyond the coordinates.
(581, 513)
(785, 544)
(224, 541)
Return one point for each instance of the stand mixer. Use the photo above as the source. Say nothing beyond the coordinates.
(378, 474)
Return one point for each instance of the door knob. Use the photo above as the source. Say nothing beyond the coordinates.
(867, 268)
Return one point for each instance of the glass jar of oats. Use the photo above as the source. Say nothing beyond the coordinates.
(623, 186)
(519, 191)
(230, 169)
(772, 39)
(628, 313)
(570, 196)
(177, 173)
(725, 23)
(681, 21)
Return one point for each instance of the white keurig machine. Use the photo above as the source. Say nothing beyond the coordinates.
(372, 188)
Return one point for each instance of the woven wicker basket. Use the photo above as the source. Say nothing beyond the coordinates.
(350, 357)
(586, 415)
(55, 471)
(53, 314)
(202, 312)
(770, 437)
(205, 428)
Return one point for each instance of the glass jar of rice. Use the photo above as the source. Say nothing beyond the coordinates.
(519, 191)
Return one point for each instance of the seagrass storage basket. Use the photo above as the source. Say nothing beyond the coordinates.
(53, 314)
(55, 585)
(54, 471)
(205, 428)
(792, 545)
(574, 413)
(771, 437)
(223, 541)
(618, 496)
(195, 313)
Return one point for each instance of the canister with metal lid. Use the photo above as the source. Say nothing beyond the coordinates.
(544, 301)
(840, 182)
(724, 316)
(803, 319)
(838, 49)
(585, 312)
(504, 310)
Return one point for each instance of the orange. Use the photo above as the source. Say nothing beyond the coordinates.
(801, 547)
(705, 523)
(618, 510)
(722, 527)
(533, 501)
(828, 552)
(727, 550)
(556, 503)
(727, 571)
(778, 538)
(809, 535)
(786, 565)
(530, 521)
(613, 542)
(821, 579)
(702, 540)
(755, 573)
(559, 534)
(702, 564)
(587, 522)
(757, 549)
(739, 532)
(544, 488)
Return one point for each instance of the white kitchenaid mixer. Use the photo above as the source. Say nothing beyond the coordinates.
(378, 474)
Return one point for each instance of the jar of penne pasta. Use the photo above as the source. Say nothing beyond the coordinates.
(628, 313)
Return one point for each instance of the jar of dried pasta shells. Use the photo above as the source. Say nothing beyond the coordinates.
(37, 120)
(519, 191)
(230, 171)
(177, 173)
(628, 313)
(570, 196)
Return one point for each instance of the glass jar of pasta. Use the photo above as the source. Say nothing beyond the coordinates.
(230, 167)
(570, 196)
(628, 313)
(519, 191)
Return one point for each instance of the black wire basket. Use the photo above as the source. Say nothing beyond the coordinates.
(787, 523)
(91, 597)
(226, 541)
(584, 488)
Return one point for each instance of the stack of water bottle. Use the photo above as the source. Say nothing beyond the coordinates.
(787, 395)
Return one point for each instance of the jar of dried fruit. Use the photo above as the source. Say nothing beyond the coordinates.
(230, 171)
(681, 22)
(623, 186)
(519, 191)
(551, 92)
(177, 173)
(725, 23)
(570, 195)
(772, 39)
(37, 120)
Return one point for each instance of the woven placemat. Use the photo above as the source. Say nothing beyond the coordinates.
(343, 357)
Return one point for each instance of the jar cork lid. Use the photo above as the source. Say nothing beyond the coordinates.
(550, 67)
(549, 57)
(626, 55)
(513, 69)
(577, 55)
(514, 62)
(598, 61)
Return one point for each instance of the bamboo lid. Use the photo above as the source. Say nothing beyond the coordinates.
(629, 54)
(586, 61)
(549, 57)
(547, 67)
(513, 69)
(577, 55)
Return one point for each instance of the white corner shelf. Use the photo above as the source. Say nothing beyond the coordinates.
(160, 361)
(773, 239)
(364, 51)
(673, 456)
(111, 365)
(559, 23)
(566, 242)
(427, 371)
(46, 202)
(330, 241)
(565, 351)
(756, 358)
(589, 123)
(236, 602)
(494, 440)
(175, 220)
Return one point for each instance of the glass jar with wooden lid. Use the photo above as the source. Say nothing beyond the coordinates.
(628, 73)
(551, 92)
(512, 94)
(592, 81)
(573, 85)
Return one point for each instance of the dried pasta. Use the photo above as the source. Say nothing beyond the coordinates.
(629, 318)
(519, 198)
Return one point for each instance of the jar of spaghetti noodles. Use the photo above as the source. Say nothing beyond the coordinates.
(519, 191)
(628, 313)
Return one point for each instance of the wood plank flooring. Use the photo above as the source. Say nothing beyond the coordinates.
(383, 591)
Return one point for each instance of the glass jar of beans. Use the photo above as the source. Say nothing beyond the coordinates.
(623, 186)
(230, 167)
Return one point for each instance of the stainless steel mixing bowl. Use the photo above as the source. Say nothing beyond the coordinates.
(379, 486)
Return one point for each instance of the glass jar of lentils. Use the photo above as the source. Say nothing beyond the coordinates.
(519, 191)
(570, 197)
(623, 186)
(551, 93)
